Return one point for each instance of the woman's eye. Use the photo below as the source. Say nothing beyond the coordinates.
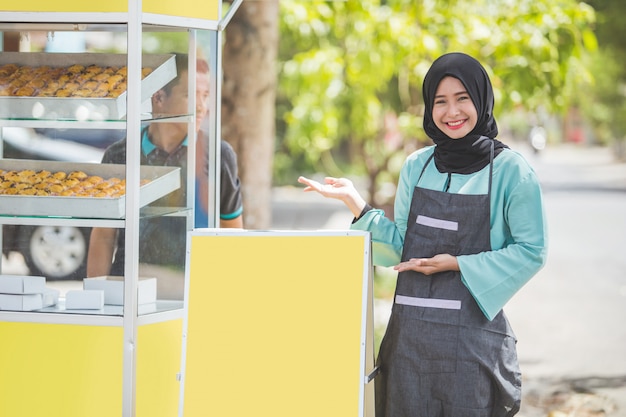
(440, 102)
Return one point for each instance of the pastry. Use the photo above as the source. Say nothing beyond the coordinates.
(80, 175)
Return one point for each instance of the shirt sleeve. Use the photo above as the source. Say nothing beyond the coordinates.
(519, 243)
(387, 234)
(231, 201)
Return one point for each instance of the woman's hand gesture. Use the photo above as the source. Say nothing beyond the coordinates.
(338, 188)
(428, 266)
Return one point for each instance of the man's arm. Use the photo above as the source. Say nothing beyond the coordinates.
(236, 223)
(101, 248)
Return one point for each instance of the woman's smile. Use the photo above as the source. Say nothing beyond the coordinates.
(456, 124)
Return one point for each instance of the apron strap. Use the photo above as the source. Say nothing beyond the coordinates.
(491, 157)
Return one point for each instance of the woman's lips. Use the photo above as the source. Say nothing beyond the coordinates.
(457, 124)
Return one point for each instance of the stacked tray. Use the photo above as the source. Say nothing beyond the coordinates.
(161, 181)
(162, 67)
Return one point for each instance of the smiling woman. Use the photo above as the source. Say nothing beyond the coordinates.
(463, 245)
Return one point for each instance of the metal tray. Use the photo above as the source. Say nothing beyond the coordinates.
(78, 108)
(163, 180)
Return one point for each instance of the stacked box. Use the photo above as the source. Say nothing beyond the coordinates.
(26, 293)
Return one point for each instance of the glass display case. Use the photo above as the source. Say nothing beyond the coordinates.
(122, 308)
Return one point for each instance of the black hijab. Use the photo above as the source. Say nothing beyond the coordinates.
(471, 153)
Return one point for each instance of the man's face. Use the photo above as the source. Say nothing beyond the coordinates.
(203, 88)
(174, 103)
(177, 101)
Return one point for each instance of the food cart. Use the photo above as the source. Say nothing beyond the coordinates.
(246, 335)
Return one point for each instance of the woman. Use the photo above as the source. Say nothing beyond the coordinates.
(469, 232)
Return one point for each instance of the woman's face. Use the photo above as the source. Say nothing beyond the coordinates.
(454, 112)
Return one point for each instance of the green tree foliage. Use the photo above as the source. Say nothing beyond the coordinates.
(603, 102)
(351, 72)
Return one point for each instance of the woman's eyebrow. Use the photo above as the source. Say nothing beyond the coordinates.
(455, 94)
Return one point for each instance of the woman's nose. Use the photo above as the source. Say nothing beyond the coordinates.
(453, 110)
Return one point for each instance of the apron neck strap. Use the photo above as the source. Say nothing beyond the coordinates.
(491, 157)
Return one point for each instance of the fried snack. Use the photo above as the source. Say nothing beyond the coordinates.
(73, 81)
(83, 92)
(114, 79)
(94, 179)
(116, 92)
(93, 69)
(59, 175)
(110, 70)
(76, 68)
(7, 69)
(28, 191)
(55, 188)
(79, 175)
(103, 76)
(25, 91)
(71, 86)
(37, 83)
(99, 93)
(123, 71)
(26, 173)
(43, 174)
(70, 182)
(73, 184)
(12, 176)
(63, 93)
(91, 85)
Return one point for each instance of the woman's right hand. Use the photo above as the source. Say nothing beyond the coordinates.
(338, 188)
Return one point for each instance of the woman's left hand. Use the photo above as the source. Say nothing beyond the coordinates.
(428, 266)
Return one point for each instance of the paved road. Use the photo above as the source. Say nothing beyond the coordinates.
(570, 319)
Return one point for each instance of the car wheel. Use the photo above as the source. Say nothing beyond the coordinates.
(57, 252)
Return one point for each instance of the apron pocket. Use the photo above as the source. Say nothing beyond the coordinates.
(426, 347)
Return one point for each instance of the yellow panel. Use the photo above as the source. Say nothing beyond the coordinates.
(197, 9)
(159, 349)
(60, 370)
(274, 326)
(66, 6)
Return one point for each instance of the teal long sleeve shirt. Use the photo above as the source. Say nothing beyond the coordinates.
(518, 227)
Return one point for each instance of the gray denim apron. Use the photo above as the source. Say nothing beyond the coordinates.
(440, 355)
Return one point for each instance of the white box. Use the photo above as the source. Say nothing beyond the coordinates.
(84, 300)
(29, 302)
(113, 287)
(18, 284)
